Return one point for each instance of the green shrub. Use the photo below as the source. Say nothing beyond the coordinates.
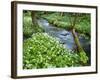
(44, 51)
(83, 57)
(64, 22)
(58, 22)
(84, 27)
(29, 28)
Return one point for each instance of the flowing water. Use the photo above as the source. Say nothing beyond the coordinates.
(65, 37)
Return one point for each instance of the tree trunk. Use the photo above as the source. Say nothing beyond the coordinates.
(79, 47)
(61, 13)
(34, 20)
(83, 57)
(80, 50)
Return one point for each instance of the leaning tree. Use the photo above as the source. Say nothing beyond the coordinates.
(76, 18)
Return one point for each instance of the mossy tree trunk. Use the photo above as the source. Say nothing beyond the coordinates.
(34, 19)
(81, 51)
(35, 25)
(62, 13)
(76, 39)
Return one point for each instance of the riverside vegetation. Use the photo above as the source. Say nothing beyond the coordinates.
(42, 50)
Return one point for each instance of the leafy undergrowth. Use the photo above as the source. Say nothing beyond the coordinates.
(29, 28)
(83, 57)
(57, 20)
(64, 22)
(44, 51)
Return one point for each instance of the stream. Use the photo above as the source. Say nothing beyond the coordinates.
(65, 37)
